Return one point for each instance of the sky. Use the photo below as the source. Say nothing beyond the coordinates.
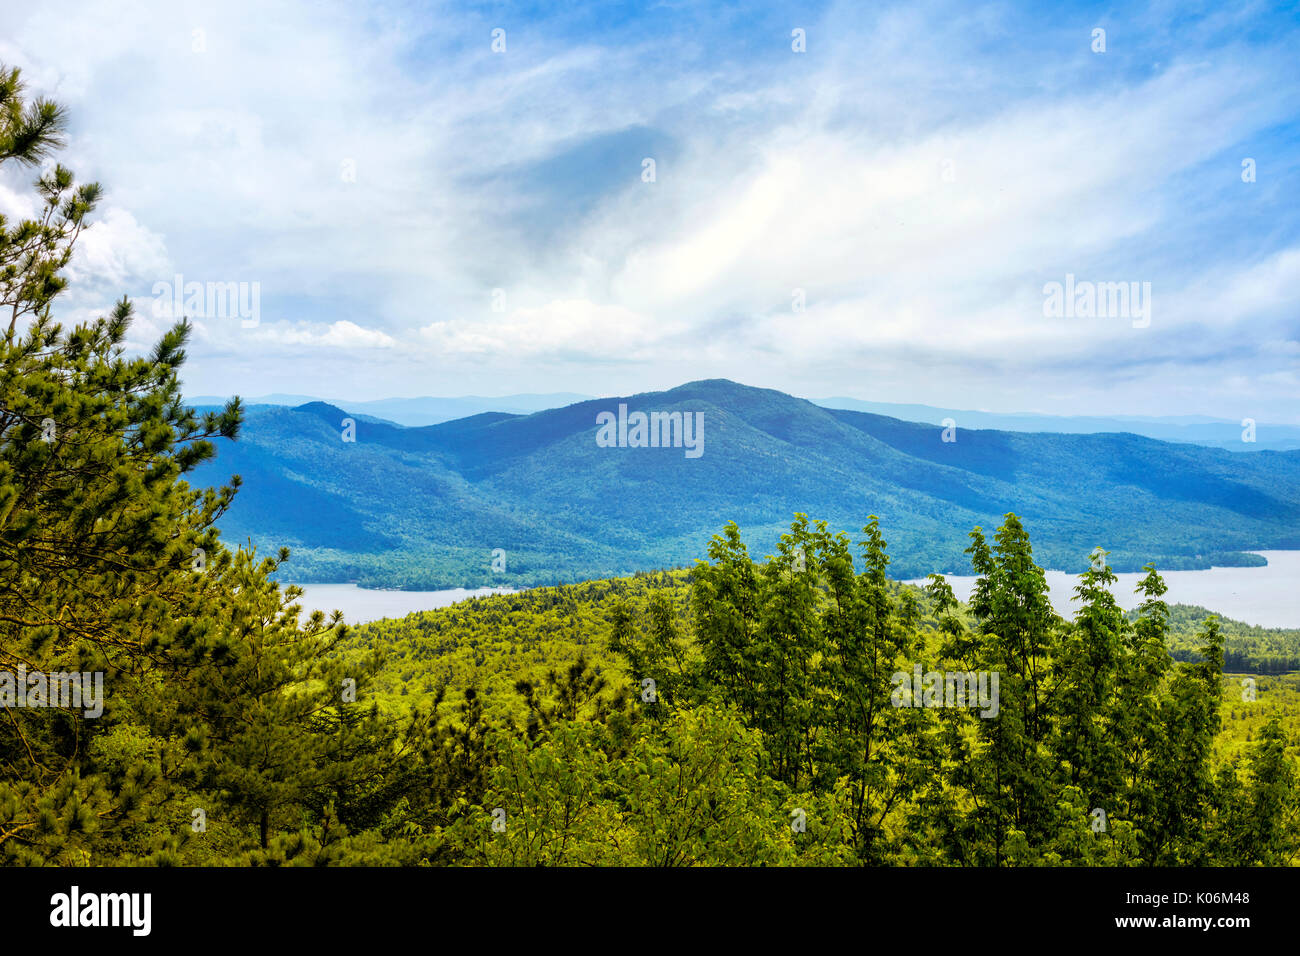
(844, 199)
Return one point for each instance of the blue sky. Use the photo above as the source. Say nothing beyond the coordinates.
(916, 177)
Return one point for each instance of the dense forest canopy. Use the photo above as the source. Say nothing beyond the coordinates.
(748, 711)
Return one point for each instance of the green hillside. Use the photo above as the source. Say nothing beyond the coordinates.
(491, 642)
(1109, 702)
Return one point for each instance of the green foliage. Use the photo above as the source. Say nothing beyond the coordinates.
(1257, 650)
(1105, 751)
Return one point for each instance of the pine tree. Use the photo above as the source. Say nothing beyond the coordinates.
(1086, 741)
(1009, 783)
(217, 698)
(867, 645)
(1141, 686)
(1180, 767)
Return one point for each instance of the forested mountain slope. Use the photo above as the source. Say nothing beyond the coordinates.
(425, 507)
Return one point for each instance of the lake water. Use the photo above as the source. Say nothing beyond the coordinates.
(360, 605)
(1268, 596)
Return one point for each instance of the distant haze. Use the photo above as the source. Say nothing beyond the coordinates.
(418, 412)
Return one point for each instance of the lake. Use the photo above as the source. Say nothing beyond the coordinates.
(360, 605)
(1268, 596)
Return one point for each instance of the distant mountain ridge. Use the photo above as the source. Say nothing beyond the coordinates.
(1195, 429)
(417, 412)
(428, 506)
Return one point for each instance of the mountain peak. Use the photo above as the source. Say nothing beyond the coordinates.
(323, 410)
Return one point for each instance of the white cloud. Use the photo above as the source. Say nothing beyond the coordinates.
(116, 250)
(572, 328)
(341, 335)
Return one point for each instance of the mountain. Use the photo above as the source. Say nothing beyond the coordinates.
(416, 412)
(1194, 429)
(425, 507)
